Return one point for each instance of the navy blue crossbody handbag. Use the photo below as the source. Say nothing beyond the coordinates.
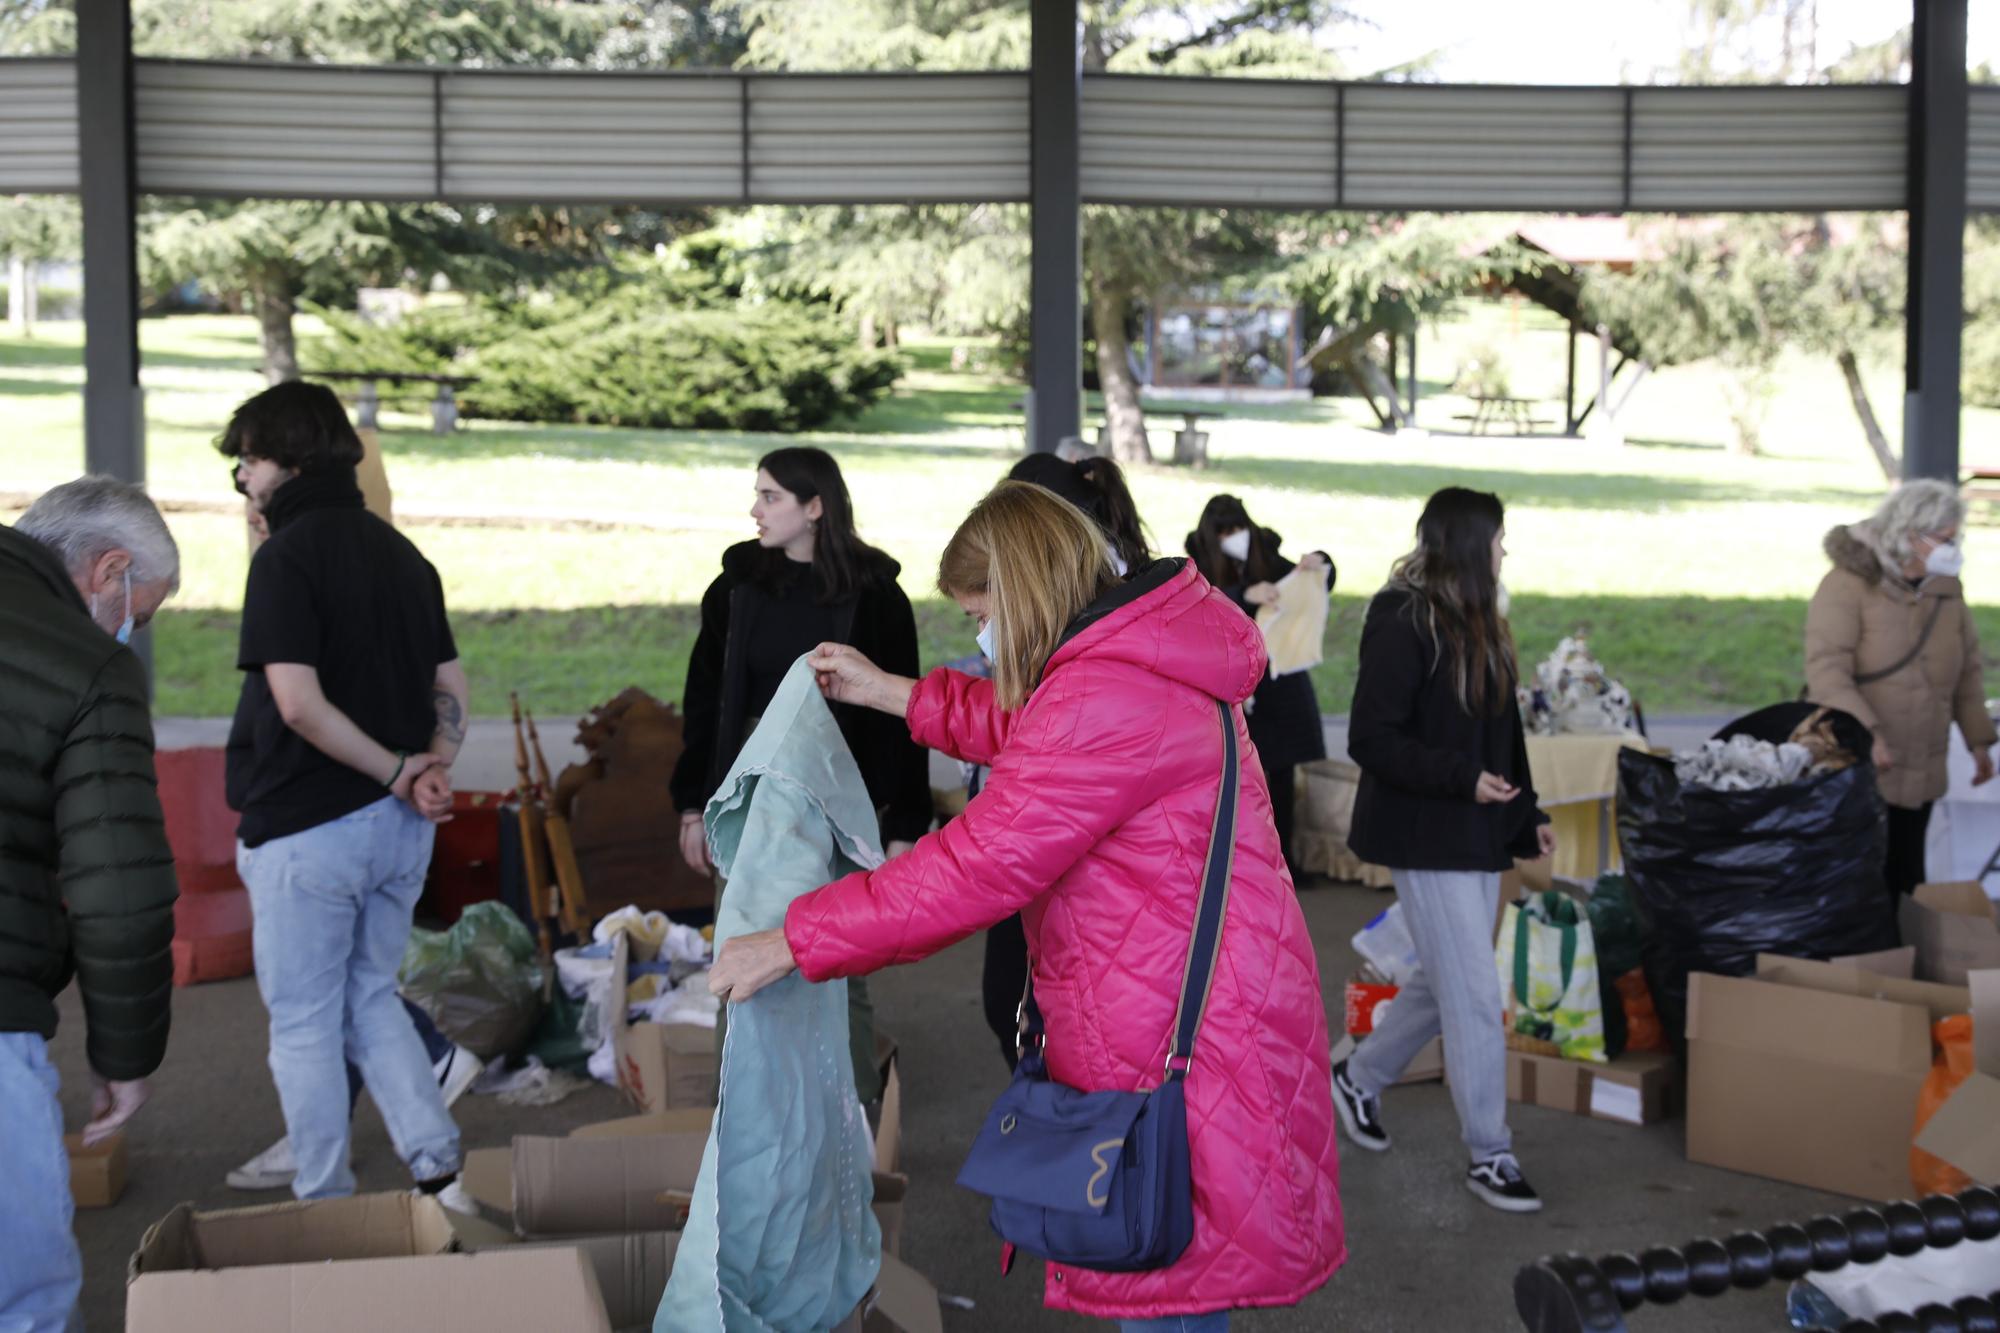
(1102, 1180)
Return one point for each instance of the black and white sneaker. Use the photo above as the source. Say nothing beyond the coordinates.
(1499, 1184)
(1360, 1114)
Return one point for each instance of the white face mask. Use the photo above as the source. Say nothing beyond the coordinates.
(1118, 565)
(1502, 602)
(1237, 545)
(985, 639)
(124, 631)
(1945, 560)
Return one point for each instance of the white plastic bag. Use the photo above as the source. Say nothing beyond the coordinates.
(1385, 942)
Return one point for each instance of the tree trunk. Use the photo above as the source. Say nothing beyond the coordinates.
(273, 299)
(1892, 467)
(1370, 379)
(21, 295)
(890, 338)
(868, 333)
(1124, 419)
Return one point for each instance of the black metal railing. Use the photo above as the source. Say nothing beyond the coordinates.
(1573, 1294)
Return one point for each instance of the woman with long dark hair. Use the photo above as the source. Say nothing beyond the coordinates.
(807, 579)
(1446, 803)
(1097, 487)
(1243, 560)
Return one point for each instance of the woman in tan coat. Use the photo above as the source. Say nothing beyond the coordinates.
(1890, 640)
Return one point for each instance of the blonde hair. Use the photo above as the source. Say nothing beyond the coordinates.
(1920, 507)
(1039, 562)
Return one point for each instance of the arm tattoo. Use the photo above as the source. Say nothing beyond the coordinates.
(450, 715)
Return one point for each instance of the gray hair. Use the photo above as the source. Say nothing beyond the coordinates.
(1919, 507)
(81, 520)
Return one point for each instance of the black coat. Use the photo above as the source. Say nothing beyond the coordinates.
(1421, 754)
(878, 621)
(86, 877)
(1284, 714)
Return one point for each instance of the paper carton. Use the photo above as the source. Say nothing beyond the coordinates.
(372, 1261)
(1809, 1072)
(1637, 1088)
(1955, 929)
(96, 1175)
(661, 1066)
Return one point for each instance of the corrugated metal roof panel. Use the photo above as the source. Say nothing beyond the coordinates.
(295, 131)
(38, 127)
(1982, 148)
(1770, 148)
(1219, 142)
(590, 139)
(864, 139)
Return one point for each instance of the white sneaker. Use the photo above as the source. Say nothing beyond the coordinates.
(456, 1072)
(272, 1169)
(454, 1197)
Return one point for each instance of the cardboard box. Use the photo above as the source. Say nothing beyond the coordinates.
(96, 1175)
(1637, 1088)
(1809, 1072)
(1966, 1129)
(375, 1261)
(632, 1271)
(1427, 1067)
(1955, 928)
(661, 1066)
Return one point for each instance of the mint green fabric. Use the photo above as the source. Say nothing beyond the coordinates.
(781, 1235)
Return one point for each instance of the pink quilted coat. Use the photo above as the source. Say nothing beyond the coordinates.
(1094, 826)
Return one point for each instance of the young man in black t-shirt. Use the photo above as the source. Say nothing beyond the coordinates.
(353, 708)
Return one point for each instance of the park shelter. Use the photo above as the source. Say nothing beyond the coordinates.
(107, 126)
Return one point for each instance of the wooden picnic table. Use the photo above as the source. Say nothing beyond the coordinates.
(1494, 409)
(368, 400)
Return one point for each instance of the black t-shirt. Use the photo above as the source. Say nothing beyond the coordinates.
(337, 589)
(785, 632)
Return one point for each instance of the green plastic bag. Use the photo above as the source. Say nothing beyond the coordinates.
(1620, 935)
(1547, 961)
(480, 981)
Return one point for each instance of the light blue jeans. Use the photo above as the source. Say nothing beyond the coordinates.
(40, 1269)
(1450, 916)
(1179, 1323)
(332, 910)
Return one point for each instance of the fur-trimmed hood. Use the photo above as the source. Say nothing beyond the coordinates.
(1849, 552)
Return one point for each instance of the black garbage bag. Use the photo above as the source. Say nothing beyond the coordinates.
(1724, 876)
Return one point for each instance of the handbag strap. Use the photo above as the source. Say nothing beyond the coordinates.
(1923, 637)
(1198, 973)
(1523, 936)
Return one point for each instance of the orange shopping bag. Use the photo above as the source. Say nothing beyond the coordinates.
(1953, 1036)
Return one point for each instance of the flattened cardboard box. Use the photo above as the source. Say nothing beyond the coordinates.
(632, 1271)
(661, 1066)
(1955, 928)
(96, 1175)
(1809, 1072)
(375, 1261)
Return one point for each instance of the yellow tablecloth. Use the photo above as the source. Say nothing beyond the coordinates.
(1576, 780)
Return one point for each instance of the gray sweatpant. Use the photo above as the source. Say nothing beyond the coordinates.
(1450, 915)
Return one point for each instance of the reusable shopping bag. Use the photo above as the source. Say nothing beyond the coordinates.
(1547, 961)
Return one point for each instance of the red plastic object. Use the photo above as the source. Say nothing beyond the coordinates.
(1365, 1003)
(465, 863)
(212, 936)
(201, 827)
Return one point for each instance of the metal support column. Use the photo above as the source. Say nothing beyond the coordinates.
(1055, 346)
(113, 418)
(1569, 393)
(1933, 316)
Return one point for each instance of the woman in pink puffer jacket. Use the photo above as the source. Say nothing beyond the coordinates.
(1100, 727)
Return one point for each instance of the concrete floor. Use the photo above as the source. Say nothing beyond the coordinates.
(1425, 1256)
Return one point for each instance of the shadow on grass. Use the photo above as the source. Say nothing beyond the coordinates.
(1677, 654)
(21, 388)
(29, 352)
(1556, 490)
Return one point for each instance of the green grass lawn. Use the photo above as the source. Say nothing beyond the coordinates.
(1688, 565)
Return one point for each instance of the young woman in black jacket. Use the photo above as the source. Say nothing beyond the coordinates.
(807, 579)
(1242, 559)
(1447, 804)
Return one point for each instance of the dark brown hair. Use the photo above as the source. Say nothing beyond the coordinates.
(1453, 590)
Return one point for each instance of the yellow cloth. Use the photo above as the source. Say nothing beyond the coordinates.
(1576, 780)
(1295, 625)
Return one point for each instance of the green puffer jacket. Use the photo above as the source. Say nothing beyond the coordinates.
(86, 878)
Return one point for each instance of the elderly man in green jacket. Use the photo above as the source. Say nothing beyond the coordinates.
(86, 877)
